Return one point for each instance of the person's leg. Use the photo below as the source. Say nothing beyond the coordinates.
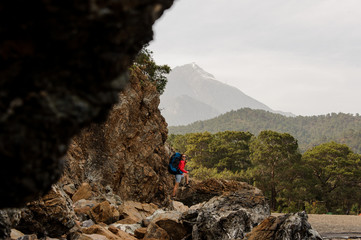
(178, 178)
(186, 177)
(175, 189)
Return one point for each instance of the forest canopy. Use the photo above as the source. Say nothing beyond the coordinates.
(310, 131)
(325, 178)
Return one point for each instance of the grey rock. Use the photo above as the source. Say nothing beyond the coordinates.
(285, 227)
(226, 217)
(8, 219)
(87, 223)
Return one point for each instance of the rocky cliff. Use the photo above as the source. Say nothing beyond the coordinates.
(62, 65)
(127, 152)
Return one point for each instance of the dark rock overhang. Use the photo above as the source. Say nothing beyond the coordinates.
(62, 65)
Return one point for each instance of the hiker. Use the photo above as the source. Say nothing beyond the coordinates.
(178, 177)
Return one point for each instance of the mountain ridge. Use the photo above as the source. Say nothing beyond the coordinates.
(308, 130)
(192, 81)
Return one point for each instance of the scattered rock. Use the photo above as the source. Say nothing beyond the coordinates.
(82, 209)
(284, 227)
(28, 237)
(15, 234)
(69, 189)
(173, 227)
(103, 231)
(128, 228)
(84, 192)
(156, 232)
(52, 216)
(140, 232)
(240, 214)
(178, 206)
(136, 211)
(87, 223)
(104, 212)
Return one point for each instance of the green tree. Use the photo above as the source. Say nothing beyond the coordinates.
(230, 150)
(178, 142)
(335, 175)
(274, 157)
(198, 149)
(155, 73)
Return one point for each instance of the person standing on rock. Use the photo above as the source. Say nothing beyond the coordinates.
(178, 177)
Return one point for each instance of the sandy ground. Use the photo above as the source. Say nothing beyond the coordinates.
(330, 226)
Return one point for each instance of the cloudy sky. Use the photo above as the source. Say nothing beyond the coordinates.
(299, 56)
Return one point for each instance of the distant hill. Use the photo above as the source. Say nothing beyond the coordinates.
(193, 94)
(309, 131)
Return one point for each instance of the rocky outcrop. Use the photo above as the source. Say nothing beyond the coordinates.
(53, 215)
(127, 152)
(284, 227)
(62, 65)
(203, 191)
(229, 216)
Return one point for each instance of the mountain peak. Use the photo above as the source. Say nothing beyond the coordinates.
(193, 67)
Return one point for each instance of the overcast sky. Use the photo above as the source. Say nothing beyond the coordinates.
(299, 56)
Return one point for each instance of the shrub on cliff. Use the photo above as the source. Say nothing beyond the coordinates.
(155, 73)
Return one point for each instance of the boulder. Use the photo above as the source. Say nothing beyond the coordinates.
(87, 223)
(84, 192)
(135, 211)
(290, 226)
(140, 232)
(168, 221)
(15, 234)
(128, 228)
(92, 237)
(70, 189)
(203, 191)
(109, 234)
(178, 206)
(82, 209)
(229, 216)
(104, 212)
(156, 232)
(173, 227)
(52, 215)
